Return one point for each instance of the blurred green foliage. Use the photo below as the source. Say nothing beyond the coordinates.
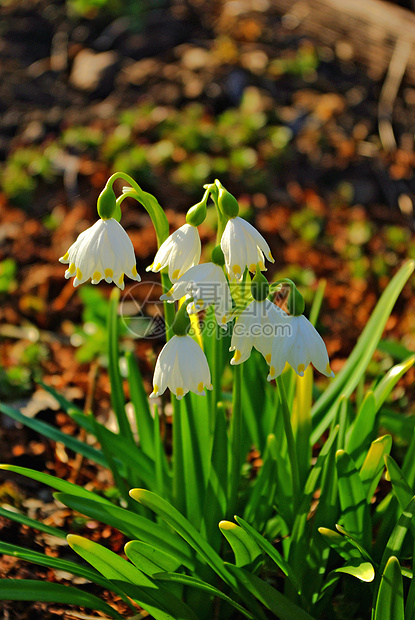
(7, 275)
(186, 146)
(136, 10)
(91, 337)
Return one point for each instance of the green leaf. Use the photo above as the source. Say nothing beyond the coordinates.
(149, 559)
(56, 483)
(355, 510)
(260, 502)
(389, 602)
(158, 601)
(193, 582)
(386, 385)
(374, 464)
(132, 525)
(395, 542)
(139, 399)
(360, 569)
(273, 553)
(117, 391)
(246, 550)
(46, 430)
(355, 542)
(356, 562)
(400, 486)
(346, 380)
(194, 427)
(183, 527)
(59, 564)
(340, 544)
(125, 456)
(362, 430)
(42, 591)
(66, 404)
(276, 602)
(37, 525)
(300, 530)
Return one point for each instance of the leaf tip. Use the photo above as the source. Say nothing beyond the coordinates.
(136, 494)
(227, 525)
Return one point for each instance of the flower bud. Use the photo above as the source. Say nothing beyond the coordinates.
(106, 203)
(259, 286)
(227, 202)
(295, 301)
(217, 256)
(197, 214)
(181, 323)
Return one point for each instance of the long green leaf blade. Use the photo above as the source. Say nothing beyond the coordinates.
(158, 601)
(276, 602)
(193, 582)
(55, 483)
(353, 501)
(246, 550)
(389, 602)
(183, 527)
(117, 391)
(53, 433)
(132, 525)
(349, 376)
(33, 523)
(139, 399)
(42, 591)
(374, 464)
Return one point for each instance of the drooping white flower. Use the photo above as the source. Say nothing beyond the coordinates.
(182, 367)
(208, 286)
(258, 326)
(103, 251)
(179, 252)
(243, 246)
(300, 345)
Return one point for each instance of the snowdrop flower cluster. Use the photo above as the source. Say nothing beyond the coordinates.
(105, 251)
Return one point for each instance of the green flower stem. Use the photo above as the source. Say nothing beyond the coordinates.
(161, 226)
(216, 369)
(292, 453)
(179, 496)
(222, 219)
(235, 459)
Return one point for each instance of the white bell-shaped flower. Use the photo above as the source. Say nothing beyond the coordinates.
(258, 326)
(300, 345)
(179, 252)
(182, 367)
(103, 251)
(243, 246)
(208, 286)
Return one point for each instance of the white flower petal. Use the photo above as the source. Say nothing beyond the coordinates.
(207, 285)
(103, 251)
(300, 347)
(243, 246)
(179, 252)
(259, 325)
(182, 367)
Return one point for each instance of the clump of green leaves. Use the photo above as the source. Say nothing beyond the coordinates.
(285, 555)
